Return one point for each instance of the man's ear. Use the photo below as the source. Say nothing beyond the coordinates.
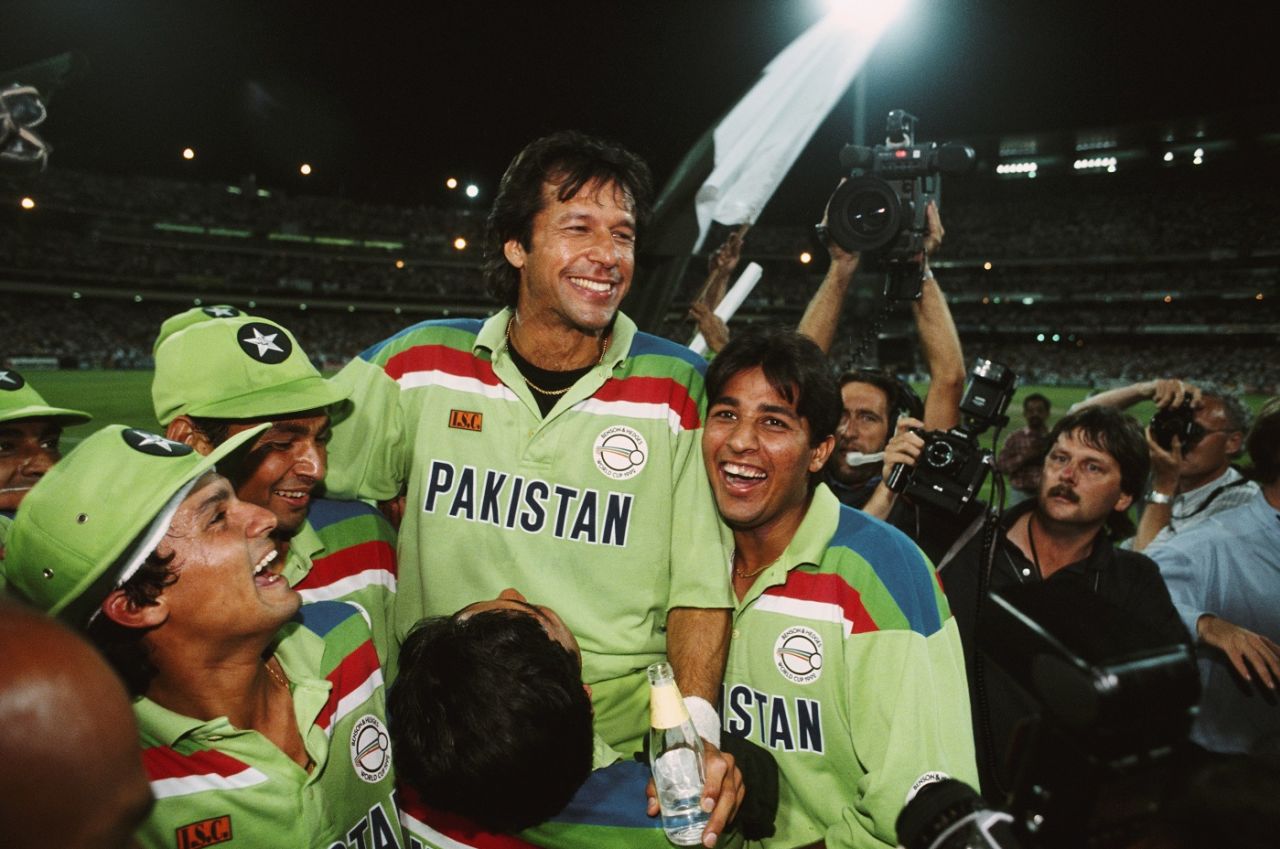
(1234, 443)
(1123, 504)
(184, 430)
(120, 610)
(820, 453)
(514, 252)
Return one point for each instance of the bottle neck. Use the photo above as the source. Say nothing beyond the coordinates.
(666, 708)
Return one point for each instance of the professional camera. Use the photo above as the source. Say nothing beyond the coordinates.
(1108, 708)
(1178, 421)
(952, 466)
(880, 210)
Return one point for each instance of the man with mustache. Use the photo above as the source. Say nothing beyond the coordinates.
(1096, 465)
(220, 372)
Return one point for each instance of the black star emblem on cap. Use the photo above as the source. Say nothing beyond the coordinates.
(153, 444)
(221, 311)
(11, 381)
(266, 343)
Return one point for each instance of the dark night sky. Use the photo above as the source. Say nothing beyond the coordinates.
(387, 99)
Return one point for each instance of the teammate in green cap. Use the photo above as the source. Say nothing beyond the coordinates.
(30, 433)
(262, 720)
(219, 372)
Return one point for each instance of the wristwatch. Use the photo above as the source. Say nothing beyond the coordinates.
(1154, 497)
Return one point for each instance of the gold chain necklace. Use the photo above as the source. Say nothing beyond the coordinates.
(280, 679)
(553, 392)
(737, 573)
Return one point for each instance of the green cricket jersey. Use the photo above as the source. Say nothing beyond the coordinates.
(345, 551)
(601, 509)
(215, 784)
(845, 662)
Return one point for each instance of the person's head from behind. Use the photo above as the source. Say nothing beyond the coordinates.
(489, 705)
(1264, 444)
(219, 375)
(72, 772)
(773, 407)
(30, 437)
(1035, 409)
(1096, 466)
(561, 233)
(871, 405)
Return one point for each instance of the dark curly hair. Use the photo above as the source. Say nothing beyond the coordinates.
(122, 646)
(569, 160)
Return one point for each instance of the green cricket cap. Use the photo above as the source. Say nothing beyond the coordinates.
(20, 400)
(88, 524)
(235, 367)
(183, 320)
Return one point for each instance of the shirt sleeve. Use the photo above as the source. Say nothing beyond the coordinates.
(1185, 581)
(368, 454)
(908, 702)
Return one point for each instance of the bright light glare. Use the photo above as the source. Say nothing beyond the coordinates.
(188, 153)
(986, 266)
(27, 203)
(1168, 156)
(460, 244)
(806, 257)
(872, 16)
(399, 263)
(305, 169)
(472, 190)
(451, 183)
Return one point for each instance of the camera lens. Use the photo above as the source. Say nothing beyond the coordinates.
(865, 214)
(939, 454)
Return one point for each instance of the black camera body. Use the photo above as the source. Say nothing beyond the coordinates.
(952, 465)
(880, 210)
(1179, 421)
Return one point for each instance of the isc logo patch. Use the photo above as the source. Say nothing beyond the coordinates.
(205, 833)
(466, 420)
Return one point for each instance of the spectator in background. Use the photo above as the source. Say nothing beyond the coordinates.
(1224, 578)
(1189, 482)
(70, 771)
(1022, 456)
(720, 268)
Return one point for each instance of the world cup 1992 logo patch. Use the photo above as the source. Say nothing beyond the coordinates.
(798, 654)
(370, 749)
(620, 452)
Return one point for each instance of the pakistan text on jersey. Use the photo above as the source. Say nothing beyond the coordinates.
(793, 725)
(374, 831)
(528, 504)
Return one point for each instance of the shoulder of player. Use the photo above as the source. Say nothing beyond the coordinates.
(652, 355)
(325, 513)
(457, 333)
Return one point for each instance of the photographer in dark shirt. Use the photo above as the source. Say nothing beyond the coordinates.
(1096, 466)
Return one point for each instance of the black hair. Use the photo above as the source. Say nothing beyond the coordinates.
(217, 431)
(900, 398)
(122, 646)
(490, 707)
(571, 160)
(1264, 443)
(1036, 396)
(1117, 433)
(795, 367)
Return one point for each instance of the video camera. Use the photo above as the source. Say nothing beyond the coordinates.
(953, 465)
(880, 210)
(1114, 704)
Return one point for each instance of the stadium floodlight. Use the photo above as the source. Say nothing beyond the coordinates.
(1039, 337)
(1168, 156)
(451, 183)
(870, 16)
(27, 202)
(188, 153)
(986, 266)
(305, 169)
(806, 257)
(459, 244)
(472, 190)
(399, 263)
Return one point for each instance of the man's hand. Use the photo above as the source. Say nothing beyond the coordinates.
(1165, 465)
(721, 795)
(933, 239)
(1171, 392)
(724, 259)
(905, 447)
(839, 256)
(710, 325)
(1243, 648)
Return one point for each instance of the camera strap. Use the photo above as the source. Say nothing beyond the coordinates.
(962, 540)
(1213, 495)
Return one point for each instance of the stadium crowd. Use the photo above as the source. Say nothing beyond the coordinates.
(326, 600)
